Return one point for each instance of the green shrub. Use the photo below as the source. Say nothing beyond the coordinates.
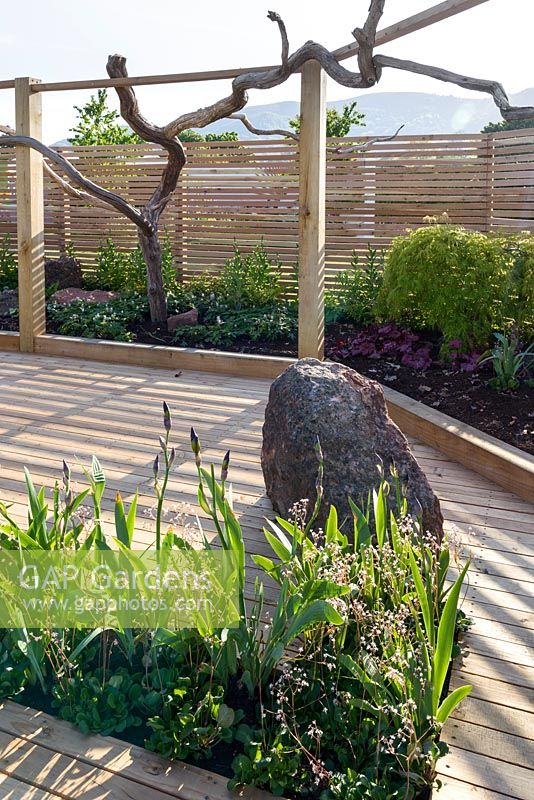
(125, 271)
(9, 273)
(251, 280)
(450, 279)
(521, 286)
(200, 292)
(355, 298)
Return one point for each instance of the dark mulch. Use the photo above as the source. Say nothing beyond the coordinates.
(466, 396)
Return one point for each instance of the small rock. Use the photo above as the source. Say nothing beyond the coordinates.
(63, 272)
(187, 318)
(9, 299)
(67, 296)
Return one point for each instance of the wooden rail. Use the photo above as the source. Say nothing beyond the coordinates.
(416, 22)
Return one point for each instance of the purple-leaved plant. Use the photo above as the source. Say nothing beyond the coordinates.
(385, 341)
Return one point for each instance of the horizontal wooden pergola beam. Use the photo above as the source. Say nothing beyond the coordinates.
(416, 22)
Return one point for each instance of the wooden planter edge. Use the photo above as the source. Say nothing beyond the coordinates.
(505, 465)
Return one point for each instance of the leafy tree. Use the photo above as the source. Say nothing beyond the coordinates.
(190, 135)
(227, 136)
(97, 124)
(514, 125)
(338, 124)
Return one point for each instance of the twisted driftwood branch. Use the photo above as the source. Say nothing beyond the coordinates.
(110, 198)
(116, 68)
(366, 41)
(77, 194)
(274, 77)
(263, 131)
(282, 132)
(494, 88)
(366, 145)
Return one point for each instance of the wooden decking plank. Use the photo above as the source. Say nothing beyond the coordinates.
(112, 762)
(63, 775)
(494, 691)
(495, 668)
(486, 741)
(488, 773)
(50, 407)
(453, 789)
(497, 717)
(13, 789)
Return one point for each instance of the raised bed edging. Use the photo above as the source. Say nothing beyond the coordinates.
(498, 461)
(505, 465)
(161, 357)
(9, 341)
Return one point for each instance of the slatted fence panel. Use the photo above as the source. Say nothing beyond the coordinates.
(512, 192)
(247, 192)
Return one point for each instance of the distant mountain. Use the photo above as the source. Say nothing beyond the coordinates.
(420, 113)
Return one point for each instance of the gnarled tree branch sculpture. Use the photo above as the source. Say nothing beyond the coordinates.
(147, 218)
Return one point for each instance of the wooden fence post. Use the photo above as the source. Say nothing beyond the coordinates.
(30, 217)
(312, 195)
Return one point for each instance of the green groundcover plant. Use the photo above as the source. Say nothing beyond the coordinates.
(334, 686)
(249, 299)
(9, 275)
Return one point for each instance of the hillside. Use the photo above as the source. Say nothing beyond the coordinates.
(386, 111)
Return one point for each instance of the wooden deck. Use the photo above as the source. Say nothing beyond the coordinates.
(60, 408)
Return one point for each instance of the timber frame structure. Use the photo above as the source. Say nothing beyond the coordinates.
(313, 62)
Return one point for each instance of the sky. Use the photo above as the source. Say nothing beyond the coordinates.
(60, 40)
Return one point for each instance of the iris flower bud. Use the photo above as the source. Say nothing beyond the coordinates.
(66, 474)
(166, 416)
(195, 446)
(155, 466)
(224, 466)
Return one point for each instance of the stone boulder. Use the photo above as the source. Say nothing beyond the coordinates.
(189, 318)
(64, 272)
(348, 413)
